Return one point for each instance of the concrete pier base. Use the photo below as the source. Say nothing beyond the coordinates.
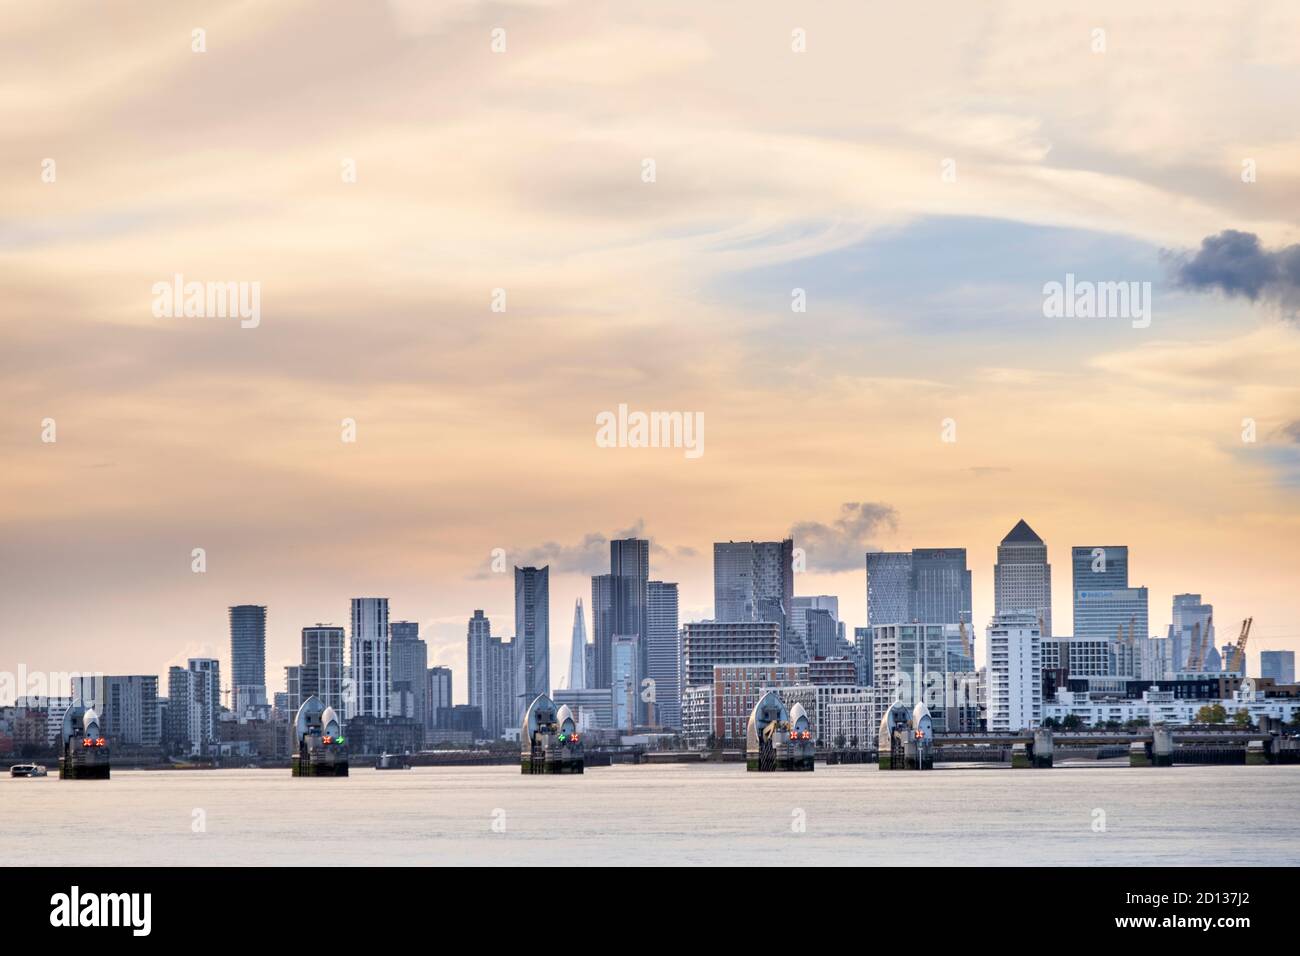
(80, 769)
(328, 764)
(1256, 754)
(1043, 749)
(549, 764)
(1020, 756)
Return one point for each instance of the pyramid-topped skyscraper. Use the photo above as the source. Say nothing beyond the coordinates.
(1022, 578)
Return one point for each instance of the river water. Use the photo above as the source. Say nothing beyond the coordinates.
(676, 814)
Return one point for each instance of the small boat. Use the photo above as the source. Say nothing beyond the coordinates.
(27, 770)
(389, 761)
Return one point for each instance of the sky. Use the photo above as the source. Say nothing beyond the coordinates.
(644, 187)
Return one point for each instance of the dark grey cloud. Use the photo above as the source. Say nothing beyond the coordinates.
(1291, 431)
(587, 556)
(840, 545)
(1236, 264)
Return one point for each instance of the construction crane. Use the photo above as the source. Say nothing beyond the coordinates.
(1239, 655)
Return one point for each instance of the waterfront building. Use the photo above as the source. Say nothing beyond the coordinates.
(189, 728)
(1022, 577)
(1015, 672)
(50, 709)
(437, 697)
(706, 644)
(370, 666)
(912, 662)
(850, 715)
(322, 669)
(532, 640)
(735, 688)
(697, 716)
(410, 663)
(1158, 705)
(127, 706)
(663, 655)
(247, 660)
(491, 677)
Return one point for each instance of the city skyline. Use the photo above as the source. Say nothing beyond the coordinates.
(498, 274)
(378, 608)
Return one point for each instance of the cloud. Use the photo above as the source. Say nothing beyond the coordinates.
(588, 556)
(840, 546)
(1235, 264)
(1291, 431)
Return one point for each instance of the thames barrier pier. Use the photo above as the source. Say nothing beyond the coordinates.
(778, 739)
(906, 740)
(549, 741)
(322, 749)
(85, 751)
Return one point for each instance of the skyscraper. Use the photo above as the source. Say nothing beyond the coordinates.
(491, 677)
(1105, 607)
(438, 697)
(1098, 568)
(1192, 628)
(371, 676)
(618, 603)
(532, 641)
(751, 578)
(627, 680)
(821, 633)
(1277, 665)
(889, 587)
(323, 670)
(478, 633)
(924, 584)
(797, 620)
(410, 662)
(209, 671)
(248, 657)
(1022, 578)
(754, 581)
(663, 653)
(600, 674)
(940, 586)
(578, 650)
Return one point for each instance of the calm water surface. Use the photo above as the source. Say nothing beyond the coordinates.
(716, 814)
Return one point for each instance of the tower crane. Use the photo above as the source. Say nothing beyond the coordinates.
(1239, 655)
